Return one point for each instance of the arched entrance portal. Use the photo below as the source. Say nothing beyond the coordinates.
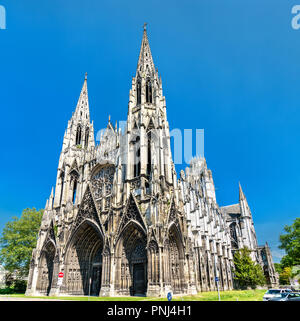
(175, 259)
(138, 260)
(131, 272)
(84, 261)
(46, 268)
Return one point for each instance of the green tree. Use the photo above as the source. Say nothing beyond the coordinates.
(18, 239)
(278, 267)
(290, 242)
(247, 273)
(285, 275)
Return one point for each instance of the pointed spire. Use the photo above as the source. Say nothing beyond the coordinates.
(47, 204)
(82, 109)
(50, 203)
(242, 195)
(145, 62)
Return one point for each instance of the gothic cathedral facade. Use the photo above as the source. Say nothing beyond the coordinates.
(121, 223)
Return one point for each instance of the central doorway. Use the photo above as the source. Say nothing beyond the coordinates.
(139, 279)
(96, 279)
(131, 254)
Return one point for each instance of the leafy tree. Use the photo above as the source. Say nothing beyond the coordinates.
(285, 275)
(278, 267)
(19, 238)
(290, 242)
(247, 273)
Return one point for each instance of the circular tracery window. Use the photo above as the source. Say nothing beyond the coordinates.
(102, 182)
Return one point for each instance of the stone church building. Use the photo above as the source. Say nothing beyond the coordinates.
(119, 221)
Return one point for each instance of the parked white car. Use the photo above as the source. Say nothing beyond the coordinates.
(273, 293)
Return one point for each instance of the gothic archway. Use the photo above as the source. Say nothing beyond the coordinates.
(131, 256)
(175, 260)
(83, 264)
(46, 268)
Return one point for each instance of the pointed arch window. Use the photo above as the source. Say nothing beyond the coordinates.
(87, 133)
(74, 191)
(149, 153)
(62, 178)
(78, 135)
(233, 234)
(138, 92)
(137, 161)
(148, 91)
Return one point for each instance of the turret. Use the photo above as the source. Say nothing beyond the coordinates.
(247, 226)
(78, 140)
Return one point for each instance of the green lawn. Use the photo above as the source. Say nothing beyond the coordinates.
(235, 295)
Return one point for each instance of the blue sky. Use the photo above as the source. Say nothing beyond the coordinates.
(229, 67)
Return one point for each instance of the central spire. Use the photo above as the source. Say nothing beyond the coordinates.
(145, 63)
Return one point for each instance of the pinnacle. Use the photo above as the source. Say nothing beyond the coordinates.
(145, 62)
(82, 111)
(242, 195)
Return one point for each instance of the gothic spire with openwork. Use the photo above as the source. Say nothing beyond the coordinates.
(145, 65)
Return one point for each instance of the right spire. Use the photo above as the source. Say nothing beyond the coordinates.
(242, 195)
(145, 65)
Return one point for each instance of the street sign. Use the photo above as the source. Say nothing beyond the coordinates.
(169, 296)
(217, 279)
(60, 278)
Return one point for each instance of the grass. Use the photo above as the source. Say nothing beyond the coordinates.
(235, 295)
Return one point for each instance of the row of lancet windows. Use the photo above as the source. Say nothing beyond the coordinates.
(149, 94)
(73, 184)
(79, 135)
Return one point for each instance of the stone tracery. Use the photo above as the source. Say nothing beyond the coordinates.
(102, 183)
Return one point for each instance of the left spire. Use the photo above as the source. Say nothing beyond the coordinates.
(80, 131)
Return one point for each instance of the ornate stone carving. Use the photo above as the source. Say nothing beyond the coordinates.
(102, 184)
(131, 212)
(88, 210)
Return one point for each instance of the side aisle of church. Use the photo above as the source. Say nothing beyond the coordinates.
(119, 221)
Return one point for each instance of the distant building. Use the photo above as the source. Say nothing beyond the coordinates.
(120, 222)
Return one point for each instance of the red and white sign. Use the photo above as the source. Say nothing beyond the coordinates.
(60, 275)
